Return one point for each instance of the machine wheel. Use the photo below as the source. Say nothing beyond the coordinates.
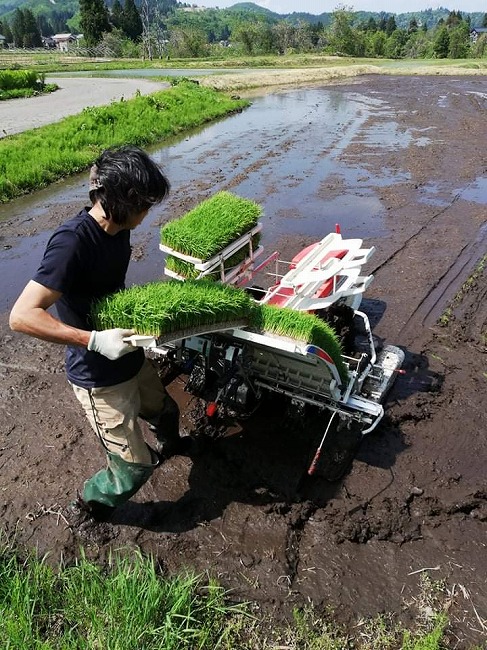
(339, 450)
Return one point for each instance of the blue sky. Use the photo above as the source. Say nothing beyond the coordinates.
(319, 7)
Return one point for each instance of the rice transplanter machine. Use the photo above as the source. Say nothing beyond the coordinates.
(232, 368)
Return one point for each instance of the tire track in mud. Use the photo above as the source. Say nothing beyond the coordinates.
(410, 240)
(299, 517)
(399, 521)
(432, 306)
(436, 295)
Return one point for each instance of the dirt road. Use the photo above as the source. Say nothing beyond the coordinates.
(74, 94)
(415, 500)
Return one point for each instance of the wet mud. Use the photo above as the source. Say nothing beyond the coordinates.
(404, 169)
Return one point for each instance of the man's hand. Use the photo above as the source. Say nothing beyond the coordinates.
(110, 343)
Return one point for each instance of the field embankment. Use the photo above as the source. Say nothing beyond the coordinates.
(36, 158)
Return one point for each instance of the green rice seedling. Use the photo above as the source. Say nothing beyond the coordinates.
(16, 79)
(213, 224)
(161, 308)
(187, 269)
(38, 157)
(300, 326)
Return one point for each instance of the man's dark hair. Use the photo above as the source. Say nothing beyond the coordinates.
(126, 181)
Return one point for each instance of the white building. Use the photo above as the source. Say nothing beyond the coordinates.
(63, 41)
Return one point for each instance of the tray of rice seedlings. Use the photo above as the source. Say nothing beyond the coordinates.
(217, 226)
(300, 326)
(173, 310)
(182, 270)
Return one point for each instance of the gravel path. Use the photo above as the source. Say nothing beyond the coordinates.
(73, 96)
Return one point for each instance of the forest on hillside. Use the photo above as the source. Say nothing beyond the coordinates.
(169, 29)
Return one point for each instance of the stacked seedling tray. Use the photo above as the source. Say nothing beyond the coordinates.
(219, 239)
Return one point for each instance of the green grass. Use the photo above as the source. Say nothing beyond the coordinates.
(125, 605)
(431, 640)
(41, 156)
(213, 224)
(23, 83)
(55, 61)
(129, 604)
(16, 79)
(27, 92)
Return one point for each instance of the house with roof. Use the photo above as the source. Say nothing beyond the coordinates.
(3, 41)
(475, 32)
(48, 42)
(63, 41)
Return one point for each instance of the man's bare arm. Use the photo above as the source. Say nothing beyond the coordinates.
(30, 316)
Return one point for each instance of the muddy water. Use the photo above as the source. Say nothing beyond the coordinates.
(287, 151)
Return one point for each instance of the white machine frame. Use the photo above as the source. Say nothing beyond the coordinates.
(322, 275)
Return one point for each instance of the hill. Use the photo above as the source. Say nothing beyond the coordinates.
(59, 13)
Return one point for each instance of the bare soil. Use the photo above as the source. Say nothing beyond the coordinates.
(415, 498)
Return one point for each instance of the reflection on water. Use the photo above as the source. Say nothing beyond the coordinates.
(476, 192)
(309, 156)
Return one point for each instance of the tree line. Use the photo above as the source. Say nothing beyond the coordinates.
(167, 29)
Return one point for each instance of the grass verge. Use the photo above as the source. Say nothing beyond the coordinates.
(35, 158)
(27, 92)
(126, 604)
(23, 83)
(129, 603)
(56, 61)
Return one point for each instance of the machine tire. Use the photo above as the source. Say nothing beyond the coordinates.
(338, 451)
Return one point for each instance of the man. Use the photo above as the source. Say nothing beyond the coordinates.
(86, 259)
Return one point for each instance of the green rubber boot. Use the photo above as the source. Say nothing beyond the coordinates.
(118, 482)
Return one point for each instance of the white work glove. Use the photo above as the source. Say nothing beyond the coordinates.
(110, 343)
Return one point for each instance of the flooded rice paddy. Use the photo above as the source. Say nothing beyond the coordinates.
(287, 151)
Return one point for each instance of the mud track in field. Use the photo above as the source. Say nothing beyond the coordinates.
(415, 499)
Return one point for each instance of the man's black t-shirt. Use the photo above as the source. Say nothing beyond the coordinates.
(85, 263)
